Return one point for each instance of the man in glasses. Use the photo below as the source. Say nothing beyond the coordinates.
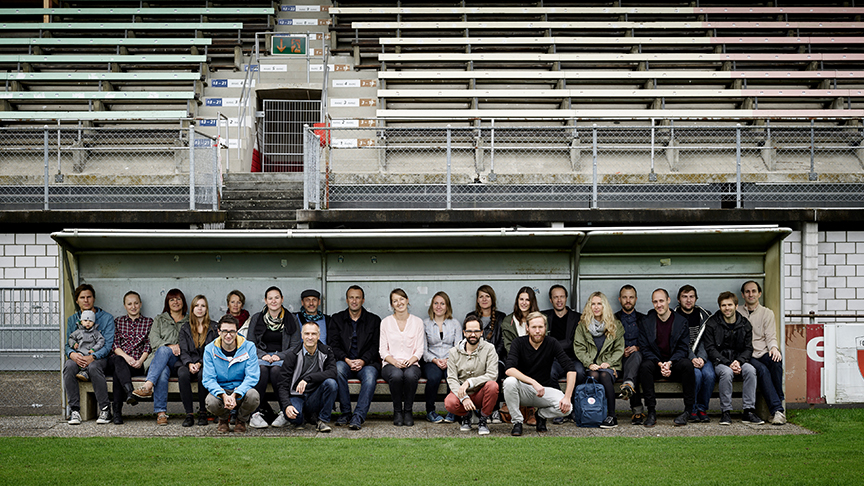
(472, 371)
(230, 374)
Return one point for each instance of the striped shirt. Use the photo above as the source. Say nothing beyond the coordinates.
(132, 335)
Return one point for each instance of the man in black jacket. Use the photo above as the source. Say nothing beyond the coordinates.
(664, 339)
(309, 380)
(562, 327)
(728, 340)
(354, 335)
(630, 317)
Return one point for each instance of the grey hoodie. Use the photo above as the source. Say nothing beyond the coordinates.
(477, 367)
(86, 339)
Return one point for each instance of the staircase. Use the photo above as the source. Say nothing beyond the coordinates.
(262, 201)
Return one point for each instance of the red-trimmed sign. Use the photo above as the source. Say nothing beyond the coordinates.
(816, 362)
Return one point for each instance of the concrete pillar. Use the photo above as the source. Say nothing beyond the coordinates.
(809, 268)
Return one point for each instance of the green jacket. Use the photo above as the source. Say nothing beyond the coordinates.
(612, 351)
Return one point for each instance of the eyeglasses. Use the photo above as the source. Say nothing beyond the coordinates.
(227, 331)
(470, 331)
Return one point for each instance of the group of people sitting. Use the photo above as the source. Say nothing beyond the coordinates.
(496, 367)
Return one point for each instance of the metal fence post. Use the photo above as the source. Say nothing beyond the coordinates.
(652, 177)
(45, 180)
(812, 176)
(217, 173)
(738, 166)
(449, 148)
(307, 161)
(191, 168)
(594, 177)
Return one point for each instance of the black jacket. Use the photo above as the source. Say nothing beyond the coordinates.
(291, 373)
(368, 336)
(679, 338)
(493, 335)
(631, 332)
(726, 343)
(290, 333)
(188, 352)
(570, 331)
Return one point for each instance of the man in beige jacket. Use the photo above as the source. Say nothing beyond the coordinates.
(766, 354)
(472, 368)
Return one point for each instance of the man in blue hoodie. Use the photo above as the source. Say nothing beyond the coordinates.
(94, 364)
(230, 374)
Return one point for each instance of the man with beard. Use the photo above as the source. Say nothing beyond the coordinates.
(528, 382)
(703, 369)
(630, 317)
(472, 371)
(562, 326)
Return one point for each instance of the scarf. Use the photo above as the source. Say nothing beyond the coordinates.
(273, 324)
(596, 328)
(312, 317)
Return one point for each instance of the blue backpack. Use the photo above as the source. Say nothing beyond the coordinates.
(590, 404)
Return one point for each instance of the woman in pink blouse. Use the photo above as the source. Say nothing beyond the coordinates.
(403, 340)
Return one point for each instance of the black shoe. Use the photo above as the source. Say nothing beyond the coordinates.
(750, 417)
(558, 421)
(609, 422)
(189, 421)
(541, 423)
(681, 419)
(355, 423)
(118, 418)
(726, 418)
(203, 418)
(397, 418)
(517, 429)
(703, 417)
(407, 418)
(131, 399)
(693, 417)
(651, 419)
(343, 419)
(637, 419)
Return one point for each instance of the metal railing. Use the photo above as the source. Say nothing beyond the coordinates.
(29, 329)
(73, 167)
(668, 165)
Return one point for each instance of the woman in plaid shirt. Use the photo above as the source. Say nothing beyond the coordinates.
(131, 348)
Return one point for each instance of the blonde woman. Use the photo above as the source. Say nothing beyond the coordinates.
(599, 345)
(194, 335)
(442, 334)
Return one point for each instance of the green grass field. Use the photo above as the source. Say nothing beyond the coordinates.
(833, 456)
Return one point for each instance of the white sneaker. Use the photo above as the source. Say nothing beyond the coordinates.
(104, 417)
(496, 417)
(280, 421)
(779, 418)
(74, 418)
(257, 421)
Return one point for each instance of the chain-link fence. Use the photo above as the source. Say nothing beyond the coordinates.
(585, 166)
(62, 167)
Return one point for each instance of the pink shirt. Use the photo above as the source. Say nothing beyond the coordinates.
(402, 344)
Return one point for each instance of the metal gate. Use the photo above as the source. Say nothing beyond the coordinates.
(283, 133)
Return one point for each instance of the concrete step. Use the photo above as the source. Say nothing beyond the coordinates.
(260, 224)
(251, 195)
(261, 215)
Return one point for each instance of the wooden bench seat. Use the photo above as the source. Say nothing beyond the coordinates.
(618, 41)
(81, 77)
(746, 11)
(432, 92)
(598, 57)
(609, 25)
(146, 11)
(663, 389)
(105, 41)
(26, 116)
(431, 74)
(598, 114)
(102, 59)
(133, 26)
(106, 96)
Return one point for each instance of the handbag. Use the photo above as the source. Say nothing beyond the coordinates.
(590, 404)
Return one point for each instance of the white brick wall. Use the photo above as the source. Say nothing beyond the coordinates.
(792, 272)
(28, 260)
(841, 271)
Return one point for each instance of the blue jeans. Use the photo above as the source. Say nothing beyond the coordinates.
(434, 376)
(368, 376)
(770, 376)
(705, 380)
(158, 374)
(321, 400)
